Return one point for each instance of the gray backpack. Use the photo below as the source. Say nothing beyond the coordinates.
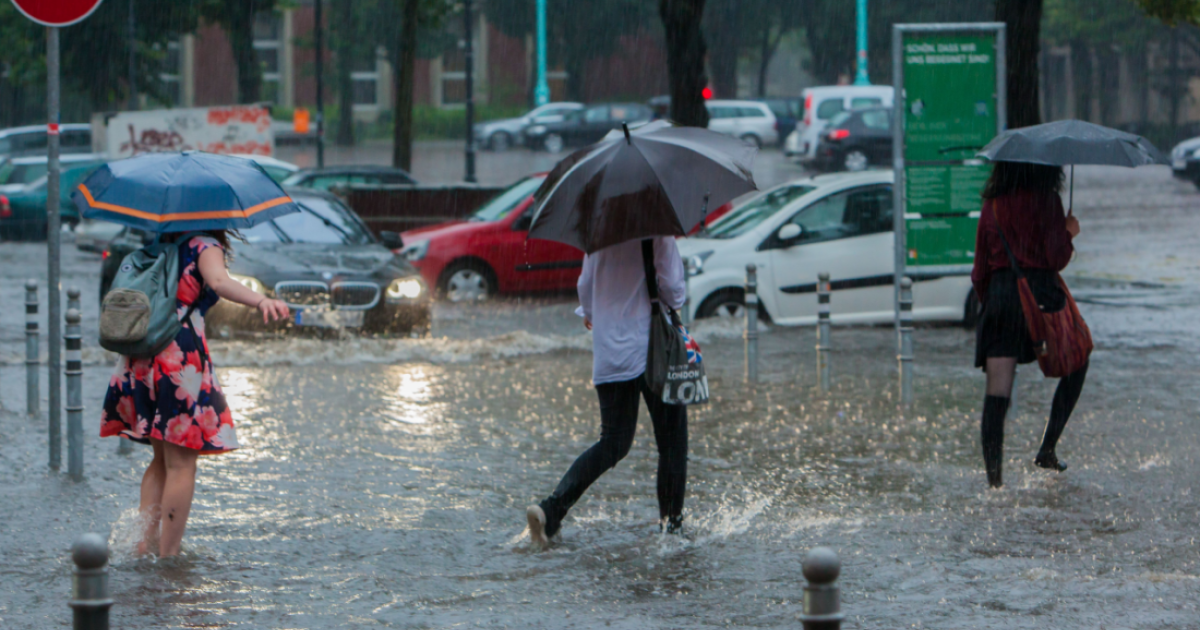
(137, 316)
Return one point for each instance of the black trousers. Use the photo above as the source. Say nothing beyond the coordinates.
(618, 422)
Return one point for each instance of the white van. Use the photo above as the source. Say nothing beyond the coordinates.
(825, 102)
(752, 121)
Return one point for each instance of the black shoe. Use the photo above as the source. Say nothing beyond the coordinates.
(1049, 461)
(674, 525)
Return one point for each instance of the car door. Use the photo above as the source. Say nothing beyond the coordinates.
(846, 234)
(594, 124)
(545, 265)
(878, 136)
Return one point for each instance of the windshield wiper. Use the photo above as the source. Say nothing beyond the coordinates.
(339, 229)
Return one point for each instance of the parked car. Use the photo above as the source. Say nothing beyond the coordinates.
(752, 121)
(501, 135)
(856, 140)
(840, 224)
(325, 178)
(586, 126)
(322, 261)
(17, 172)
(488, 253)
(31, 140)
(787, 113)
(821, 104)
(276, 168)
(1180, 154)
(23, 213)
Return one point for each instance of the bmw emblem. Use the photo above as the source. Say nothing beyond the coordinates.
(327, 275)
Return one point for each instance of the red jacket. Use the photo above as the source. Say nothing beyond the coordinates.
(1036, 228)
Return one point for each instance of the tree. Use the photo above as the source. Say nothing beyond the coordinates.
(236, 17)
(723, 30)
(406, 62)
(1172, 11)
(1024, 18)
(685, 60)
(577, 31)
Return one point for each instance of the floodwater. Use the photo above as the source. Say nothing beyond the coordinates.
(383, 482)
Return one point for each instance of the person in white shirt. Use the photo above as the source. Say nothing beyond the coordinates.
(615, 305)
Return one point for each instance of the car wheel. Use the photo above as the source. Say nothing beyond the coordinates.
(855, 161)
(972, 310)
(553, 143)
(725, 304)
(752, 140)
(500, 141)
(468, 281)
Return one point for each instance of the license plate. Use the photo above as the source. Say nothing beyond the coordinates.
(1179, 164)
(329, 318)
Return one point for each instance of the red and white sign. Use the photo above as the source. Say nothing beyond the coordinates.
(56, 12)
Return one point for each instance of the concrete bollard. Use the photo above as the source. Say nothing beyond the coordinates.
(751, 323)
(74, 372)
(824, 346)
(905, 357)
(33, 390)
(822, 602)
(90, 598)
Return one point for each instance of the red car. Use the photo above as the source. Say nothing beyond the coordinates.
(488, 253)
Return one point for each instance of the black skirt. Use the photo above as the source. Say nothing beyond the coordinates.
(1002, 331)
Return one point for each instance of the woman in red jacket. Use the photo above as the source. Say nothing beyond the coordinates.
(1022, 200)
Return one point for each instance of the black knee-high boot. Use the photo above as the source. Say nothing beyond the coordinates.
(1065, 397)
(992, 434)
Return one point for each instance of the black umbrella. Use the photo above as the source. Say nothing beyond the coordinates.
(658, 180)
(1071, 142)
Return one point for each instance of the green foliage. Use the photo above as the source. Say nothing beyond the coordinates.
(1172, 12)
(1098, 22)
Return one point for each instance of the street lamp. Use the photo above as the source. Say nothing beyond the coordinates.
(541, 92)
(861, 78)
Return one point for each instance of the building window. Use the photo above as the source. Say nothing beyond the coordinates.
(268, 47)
(365, 82)
(171, 74)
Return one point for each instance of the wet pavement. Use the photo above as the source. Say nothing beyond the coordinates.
(383, 482)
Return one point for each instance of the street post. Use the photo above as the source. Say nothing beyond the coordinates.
(319, 42)
(469, 54)
(861, 77)
(53, 247)
(541, 92)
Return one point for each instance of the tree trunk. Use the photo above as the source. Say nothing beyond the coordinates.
(344, 14)
(685, 60)
(1142, 68)
(241, 40)
(405, 67)
(1024, 20)
(1109, 61)
(1081, 68)
(1174, 89)
(724, 30)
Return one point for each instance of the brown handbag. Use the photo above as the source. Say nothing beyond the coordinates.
(1062, 341)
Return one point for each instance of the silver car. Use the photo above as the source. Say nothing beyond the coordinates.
(501, 135)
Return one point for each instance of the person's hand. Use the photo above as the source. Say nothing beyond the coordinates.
(587, 323)
(272, 310)
(1072, 225)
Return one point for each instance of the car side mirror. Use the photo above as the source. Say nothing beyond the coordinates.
(391, 240)
(523, 223)
(790, 232)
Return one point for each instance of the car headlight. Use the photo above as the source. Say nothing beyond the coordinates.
(536, 130)
(695, 263)
(416, 251)
(250, 283)
(405, 288)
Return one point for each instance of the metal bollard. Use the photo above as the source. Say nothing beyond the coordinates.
(33, 390)
(824, 346)
(751, 323)
(74, 372)
(905, 357)
(90, 599)
(822, 605)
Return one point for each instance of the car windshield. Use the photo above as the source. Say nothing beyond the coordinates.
(840, 119)
(747, 216)
(507, 201)
(319, 221)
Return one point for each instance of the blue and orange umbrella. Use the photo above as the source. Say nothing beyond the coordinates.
(182, 192)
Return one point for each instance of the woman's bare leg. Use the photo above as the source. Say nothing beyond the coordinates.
(177, 496)
(150, 506)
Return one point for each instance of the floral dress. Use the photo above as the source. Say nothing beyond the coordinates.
(174, 396)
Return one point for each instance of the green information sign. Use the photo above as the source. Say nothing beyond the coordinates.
(951, 106)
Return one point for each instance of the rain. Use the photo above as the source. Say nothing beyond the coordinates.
(413, 183)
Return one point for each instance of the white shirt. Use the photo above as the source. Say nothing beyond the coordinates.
(613, 296)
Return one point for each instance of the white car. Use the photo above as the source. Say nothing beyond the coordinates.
(276, 168)
(752, 121)
(840, 224)
(823, 103)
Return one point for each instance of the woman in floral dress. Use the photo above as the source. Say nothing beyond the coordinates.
(173, 401)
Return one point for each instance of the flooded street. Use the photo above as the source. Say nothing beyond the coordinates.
(382, 483)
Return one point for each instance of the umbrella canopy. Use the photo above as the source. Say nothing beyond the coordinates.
(1070, 142)
(182, 192)
(657, 180)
